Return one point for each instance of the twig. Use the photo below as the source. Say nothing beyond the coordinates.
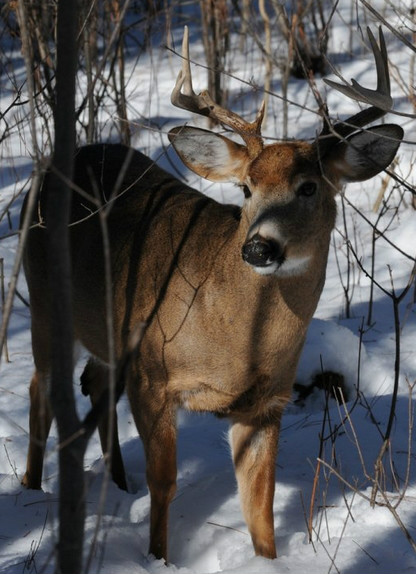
(342, 533)
(333, 565)
(12, 466)
(386, 502)
(318, 466)
(6, 349)
(227, 527)
(38, 170)
(34, 547)
(305, 516)
(365, 552)
(31, 200)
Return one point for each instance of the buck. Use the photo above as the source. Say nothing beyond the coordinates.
(224, 294)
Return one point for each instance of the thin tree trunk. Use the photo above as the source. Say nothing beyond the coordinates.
(268, 56)
(71, 476)
(215, 39)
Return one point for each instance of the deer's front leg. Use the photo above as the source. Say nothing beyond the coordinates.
(156, 422)
(254, 450)
(161, 479)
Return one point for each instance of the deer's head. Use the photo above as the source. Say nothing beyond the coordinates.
(289, 187)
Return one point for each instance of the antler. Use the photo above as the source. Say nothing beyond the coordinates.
(380, 99)
(183, 96)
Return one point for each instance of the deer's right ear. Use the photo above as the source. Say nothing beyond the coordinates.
(210, 155)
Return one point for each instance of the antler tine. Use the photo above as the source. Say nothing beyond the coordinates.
(183, 96)
(380, 97)
(382, 66)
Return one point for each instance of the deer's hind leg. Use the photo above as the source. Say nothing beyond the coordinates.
(95, 381)
(40, 414)
(40, 419)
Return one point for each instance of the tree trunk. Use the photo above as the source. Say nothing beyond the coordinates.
(71, 476)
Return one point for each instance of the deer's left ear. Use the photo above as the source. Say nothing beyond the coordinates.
(366, 153)
(210, 155)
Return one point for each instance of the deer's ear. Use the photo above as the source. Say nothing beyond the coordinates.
(366, 153)
(210, 155)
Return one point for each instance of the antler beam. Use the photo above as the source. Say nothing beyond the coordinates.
(183, 96)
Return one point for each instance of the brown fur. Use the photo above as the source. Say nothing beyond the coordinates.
(219, 336)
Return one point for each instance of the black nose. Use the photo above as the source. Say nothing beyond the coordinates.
(261, 252)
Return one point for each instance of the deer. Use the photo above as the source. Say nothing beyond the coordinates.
(224, 293)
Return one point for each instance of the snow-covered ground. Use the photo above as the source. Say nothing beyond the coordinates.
(207, 531)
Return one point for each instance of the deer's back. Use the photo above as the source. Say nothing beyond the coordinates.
(161, 234)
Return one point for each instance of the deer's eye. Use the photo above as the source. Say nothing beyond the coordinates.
(307, 189)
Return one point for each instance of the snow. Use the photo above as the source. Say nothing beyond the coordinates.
(207, 530)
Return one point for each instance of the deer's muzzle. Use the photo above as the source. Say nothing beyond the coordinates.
(261, 252)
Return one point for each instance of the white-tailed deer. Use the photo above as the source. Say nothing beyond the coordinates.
(225, 293)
